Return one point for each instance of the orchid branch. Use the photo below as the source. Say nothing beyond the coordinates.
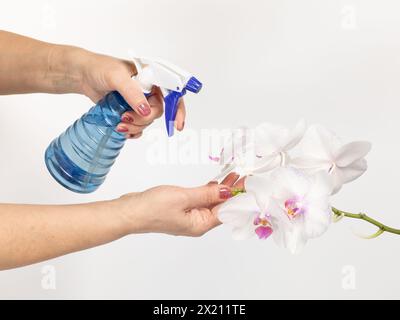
(339, 214)
(362, 216)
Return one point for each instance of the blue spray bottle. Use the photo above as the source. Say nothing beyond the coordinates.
(80, 158)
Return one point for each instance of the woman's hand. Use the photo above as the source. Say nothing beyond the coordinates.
(102, 74)
(33, 233)
(177, 211)
(55, 68)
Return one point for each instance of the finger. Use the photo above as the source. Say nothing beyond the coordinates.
(239, 184)
(131, 117)
(213, 220)
(134, 136)
(156, 101)
(129, 129)
(203, 220)
(180, 116)
(230, 179)
(157, 109)
(133, 94)
(207, 196)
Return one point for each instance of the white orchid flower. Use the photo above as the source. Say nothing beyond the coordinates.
(323, 150)
(260, 150)
(273, 143)
(238, 153)
(245, 217)
(287, 204)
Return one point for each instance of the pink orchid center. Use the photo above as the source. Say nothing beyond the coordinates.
(294, 208)
(264, 228)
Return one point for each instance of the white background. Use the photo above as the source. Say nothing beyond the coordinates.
(331, 62)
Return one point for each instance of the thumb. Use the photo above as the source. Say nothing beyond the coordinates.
(132, 92)
(207, 196)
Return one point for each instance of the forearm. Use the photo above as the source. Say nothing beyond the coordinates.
(33, 233)
(29, 66)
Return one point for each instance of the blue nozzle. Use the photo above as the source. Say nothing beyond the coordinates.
(194, 85)
(172, 99)
(171, 107)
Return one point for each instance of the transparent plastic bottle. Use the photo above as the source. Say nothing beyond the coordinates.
(80, 158)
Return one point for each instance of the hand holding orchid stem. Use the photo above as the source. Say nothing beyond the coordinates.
(291, 176)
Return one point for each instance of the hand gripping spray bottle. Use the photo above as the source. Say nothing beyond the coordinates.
(80, 158)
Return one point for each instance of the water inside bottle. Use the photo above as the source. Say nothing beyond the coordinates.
(82, 156)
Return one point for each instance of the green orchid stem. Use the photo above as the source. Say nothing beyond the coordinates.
(237, 191)
(362, 216)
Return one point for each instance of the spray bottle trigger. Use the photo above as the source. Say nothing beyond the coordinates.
(171, 107)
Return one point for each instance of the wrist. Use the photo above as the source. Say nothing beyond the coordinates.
(131, 213)
(65, 68)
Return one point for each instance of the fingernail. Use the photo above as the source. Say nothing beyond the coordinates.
(225, 193)
(143, 109)
(122, 129)
(127, 119)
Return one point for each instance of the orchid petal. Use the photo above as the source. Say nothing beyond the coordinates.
(353, 171)
(225, 171)
(261, 188)
(320, 143)
(270, 139)
(347, 174)
(281, 225)
(295, 240)
(235, 218)
(352, 152)
(263, 232)
(268, 164)
(309, 162)
(244, 202)
(317, 221)
(239, 212)
(245, 231)
(321, 186)
(233, 145)
(295, 135)
(289, 182)
(337, 180)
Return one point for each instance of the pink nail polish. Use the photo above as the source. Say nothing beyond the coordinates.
(225, 193)
(122, 129)
(127, 119)
(143, 109)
